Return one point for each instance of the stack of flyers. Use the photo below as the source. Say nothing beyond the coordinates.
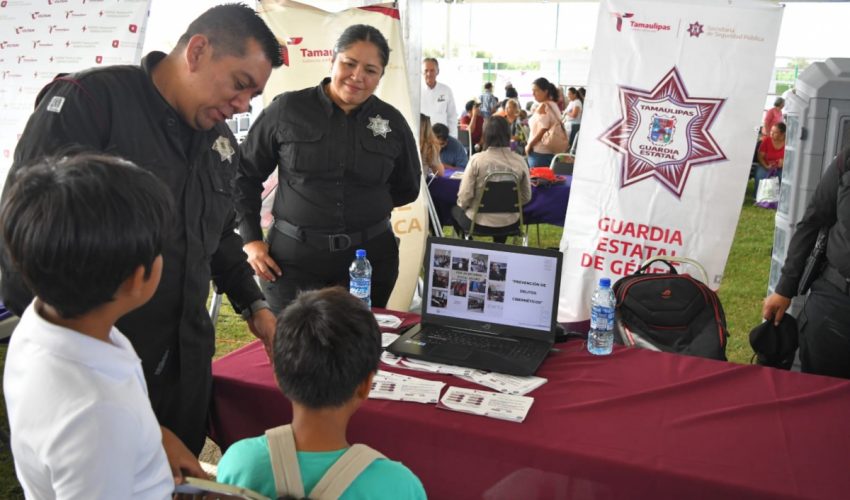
(388, 385)
(486, 404)
(390, 358)
(388, 338)
(427, 366)
(508, 384)
(388, 321)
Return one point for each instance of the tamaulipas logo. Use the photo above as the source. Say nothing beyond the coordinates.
(663, 133)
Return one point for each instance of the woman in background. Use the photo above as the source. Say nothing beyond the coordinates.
(771, 154)
(429, 147)
(544, 117)
(572, 116)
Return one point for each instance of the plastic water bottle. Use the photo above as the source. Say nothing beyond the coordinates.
(360, 274)
(600, 338)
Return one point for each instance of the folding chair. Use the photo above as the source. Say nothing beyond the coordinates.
(500, 195)
(465, 138)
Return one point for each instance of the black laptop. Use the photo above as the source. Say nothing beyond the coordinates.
(486, 306)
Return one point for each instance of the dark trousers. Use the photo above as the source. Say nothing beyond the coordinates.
(181, 402)
(461, 224)
(305, 267)
(825, 331)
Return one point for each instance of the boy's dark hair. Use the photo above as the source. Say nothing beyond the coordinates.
(364, 33)
(327, 343)
(471, 104)
(78, 227)
(229, 26)
(497, 133)
(781, 126)
(441, 131)
(488, 86)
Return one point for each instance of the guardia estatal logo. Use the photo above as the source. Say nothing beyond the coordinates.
(663, 133)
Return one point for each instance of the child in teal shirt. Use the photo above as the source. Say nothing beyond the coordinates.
(326, 352)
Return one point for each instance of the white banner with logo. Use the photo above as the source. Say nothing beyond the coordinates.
(42, 38)
(307, 36)
(674, 100)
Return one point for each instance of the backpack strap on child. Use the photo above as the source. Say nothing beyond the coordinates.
(287, 473)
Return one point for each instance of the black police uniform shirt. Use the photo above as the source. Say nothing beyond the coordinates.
(829, 207)
(118, 110)
(338, 172)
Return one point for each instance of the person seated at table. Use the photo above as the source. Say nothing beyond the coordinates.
(452, 152)
(496, 158)
(429, 147)
(326, 352)
(80, 421)
(771, 154)
(473, 122)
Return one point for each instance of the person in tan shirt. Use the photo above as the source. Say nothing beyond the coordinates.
(496, 158)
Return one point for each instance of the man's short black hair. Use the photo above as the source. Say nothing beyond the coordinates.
(327, 343)
(229, 26)
(441, 131)
(78, 227)
(488, 86)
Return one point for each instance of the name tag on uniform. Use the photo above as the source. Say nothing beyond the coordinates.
(56, 104)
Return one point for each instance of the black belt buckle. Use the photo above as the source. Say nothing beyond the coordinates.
(338, 242)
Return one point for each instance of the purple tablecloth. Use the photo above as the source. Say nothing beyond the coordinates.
(548, 205)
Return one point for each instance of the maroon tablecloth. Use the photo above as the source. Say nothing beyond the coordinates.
(636, 424)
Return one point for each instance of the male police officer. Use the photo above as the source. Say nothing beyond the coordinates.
(167, 116)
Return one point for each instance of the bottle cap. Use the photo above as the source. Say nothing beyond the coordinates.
(360, 253)
(605, 282)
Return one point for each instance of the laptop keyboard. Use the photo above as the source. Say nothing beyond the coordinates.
(502, 347)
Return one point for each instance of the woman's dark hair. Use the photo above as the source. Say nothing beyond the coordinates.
(781, 126)
(550, 89)
(363, 33)
(229, 26)
(327, 343)
(76, 228)
(576, 93)
(778, 102)
(497, 133)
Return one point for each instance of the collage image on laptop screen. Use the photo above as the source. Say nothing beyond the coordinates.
(509, 288)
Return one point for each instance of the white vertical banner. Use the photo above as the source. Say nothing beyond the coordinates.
(41, 38)
(674, 99)
(307, 36)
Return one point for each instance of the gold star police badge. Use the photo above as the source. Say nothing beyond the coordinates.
(222, 147)
(379, 126)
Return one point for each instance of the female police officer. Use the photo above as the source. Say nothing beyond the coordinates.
(345, 159)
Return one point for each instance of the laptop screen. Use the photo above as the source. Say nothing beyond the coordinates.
(481, 282)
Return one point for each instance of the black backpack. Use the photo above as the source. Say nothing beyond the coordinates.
(670, 312)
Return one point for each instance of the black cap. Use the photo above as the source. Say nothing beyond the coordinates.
(775, 345)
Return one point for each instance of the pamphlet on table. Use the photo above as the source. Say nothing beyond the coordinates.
(397, 387)
(486, 404)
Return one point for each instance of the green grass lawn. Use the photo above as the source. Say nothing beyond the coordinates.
(741, 292)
